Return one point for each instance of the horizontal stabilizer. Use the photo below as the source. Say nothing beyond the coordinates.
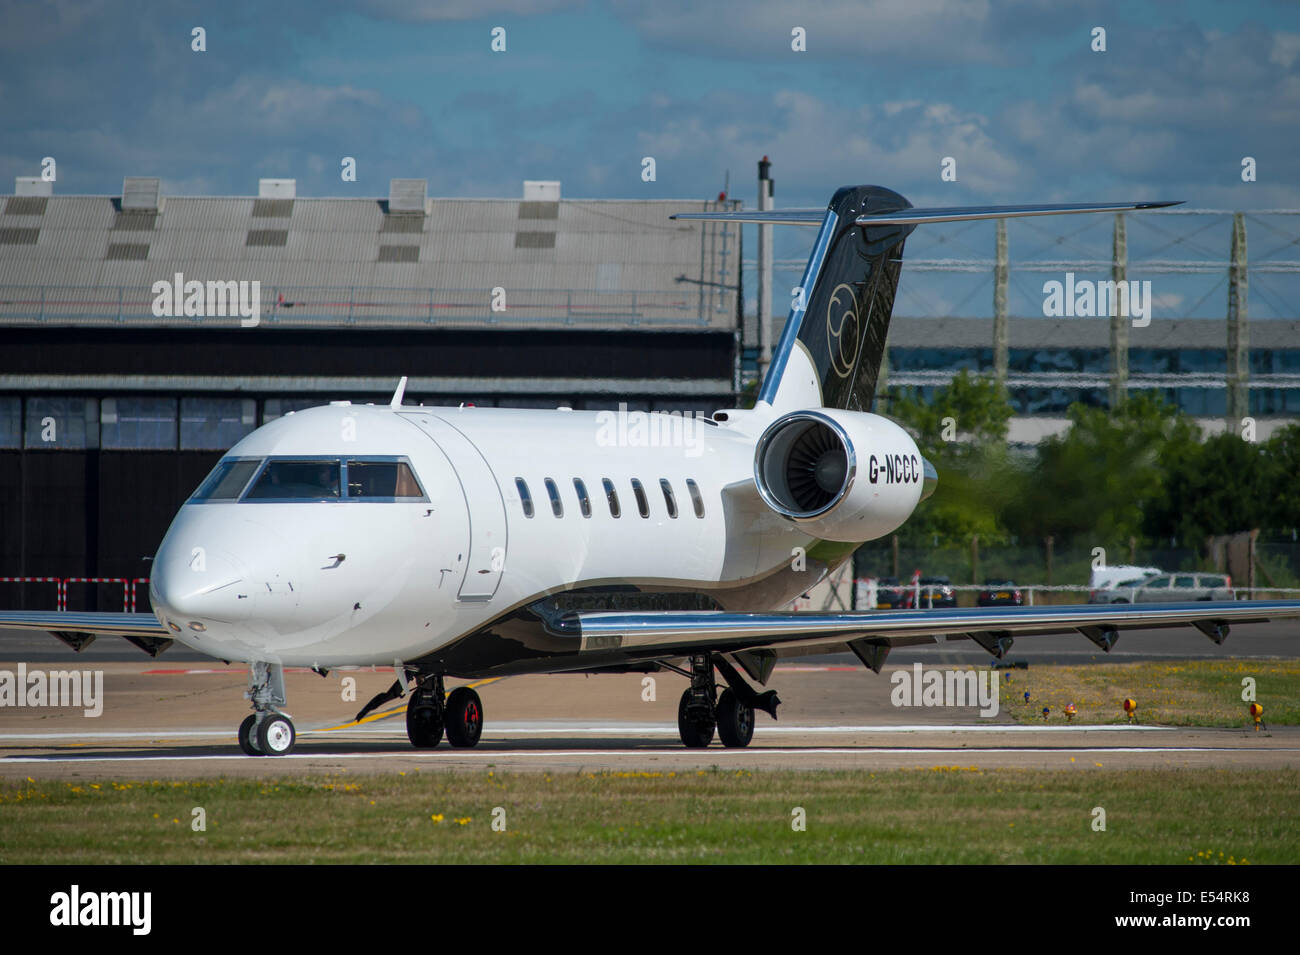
(770, 217)
(920, 216)
(964, 213)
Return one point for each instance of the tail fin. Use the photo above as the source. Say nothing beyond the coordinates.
(831, 349)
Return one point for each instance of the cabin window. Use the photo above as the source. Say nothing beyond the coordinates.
(557, 507)
(669, 500)
(696, 498)
(392, 480)
(611, 495)
(287, 480)
(584, 502)
(642, 502)
(525, 498)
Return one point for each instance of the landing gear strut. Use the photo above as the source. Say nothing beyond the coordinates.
(269, 730)
(731, 716)
(696, 713)
(424, 713)
(432, 711)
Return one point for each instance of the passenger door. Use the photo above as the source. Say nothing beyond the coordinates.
(486, 559)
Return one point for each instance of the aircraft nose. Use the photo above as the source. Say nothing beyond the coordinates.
(197, 580)
(931, 479)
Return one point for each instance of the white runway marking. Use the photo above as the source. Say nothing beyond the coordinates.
(560, 728)
(495, 755)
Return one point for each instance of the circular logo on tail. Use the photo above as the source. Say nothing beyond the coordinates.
(842, 330)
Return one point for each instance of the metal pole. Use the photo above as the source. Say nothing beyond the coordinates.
(1118, 322)
(764, 311)
(1238, 330)
(1000, 274)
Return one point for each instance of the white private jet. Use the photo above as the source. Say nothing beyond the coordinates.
(473, 542)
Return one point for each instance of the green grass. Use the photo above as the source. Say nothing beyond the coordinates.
(1172, 693)
(940, 815)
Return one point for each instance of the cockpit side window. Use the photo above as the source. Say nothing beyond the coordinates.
(226, 481)
(391, 480)
(297, 480)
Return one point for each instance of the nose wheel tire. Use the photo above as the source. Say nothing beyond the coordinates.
(696, 732)
(735, 720)
(276, 735)
(464, 717)
(423, 725)
(248, 736)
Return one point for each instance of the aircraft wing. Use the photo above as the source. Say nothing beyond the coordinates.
(79, 630)
(657, 635)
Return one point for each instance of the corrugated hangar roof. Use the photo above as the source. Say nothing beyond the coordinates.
(82, 260)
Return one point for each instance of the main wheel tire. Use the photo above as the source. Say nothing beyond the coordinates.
(735, 720)
(696, 734)
(276, 735)
(248, 736)
(423, 725)
(464, 717)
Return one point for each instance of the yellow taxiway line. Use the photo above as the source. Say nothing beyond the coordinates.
(385, 714)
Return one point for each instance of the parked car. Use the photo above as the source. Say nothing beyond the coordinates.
(1175, 588)
(1120, 593)
(1000, 593)
(889, 594)
(1107, 578)
(935, 592)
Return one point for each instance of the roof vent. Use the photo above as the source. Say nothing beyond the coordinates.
(541, 190)
(406, 196)
(32, 186)
(140, 193)
(277, 188)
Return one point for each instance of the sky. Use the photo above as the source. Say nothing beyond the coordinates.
(583, 92)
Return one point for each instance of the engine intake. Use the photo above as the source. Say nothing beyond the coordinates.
(845, 475)
(804, 464)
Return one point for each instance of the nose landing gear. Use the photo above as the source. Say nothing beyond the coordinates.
(268, 731)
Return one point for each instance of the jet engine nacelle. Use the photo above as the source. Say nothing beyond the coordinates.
(843, 475)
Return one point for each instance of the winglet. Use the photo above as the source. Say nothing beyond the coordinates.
(396, 403)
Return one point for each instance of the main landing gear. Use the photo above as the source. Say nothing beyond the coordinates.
(701, 711)
(431, 711)
(268, 731)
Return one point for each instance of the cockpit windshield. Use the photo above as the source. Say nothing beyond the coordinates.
(227, 480)
(297, 480)
(370, 478)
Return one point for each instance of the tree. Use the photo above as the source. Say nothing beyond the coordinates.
(1097, 481)
(1282, 487)
(962, 431)
(1219, 488)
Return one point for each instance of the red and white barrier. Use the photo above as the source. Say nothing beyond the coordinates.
(56, 581)
(129, 586)
(137, 580)
(63, 589)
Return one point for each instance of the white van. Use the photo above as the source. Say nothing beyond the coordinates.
(1104, 578)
